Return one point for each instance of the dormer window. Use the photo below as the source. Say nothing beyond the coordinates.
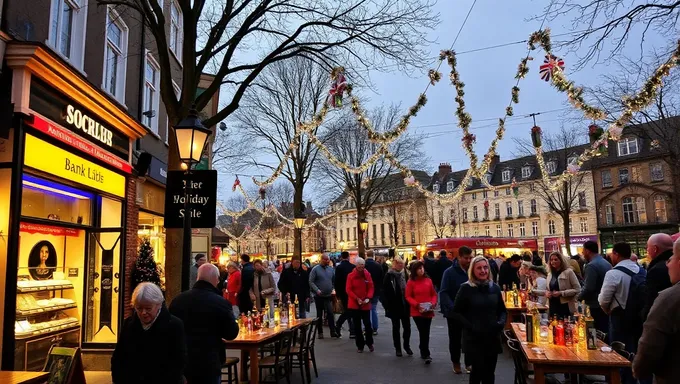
(506, 175)
(550, 167)
(628, 146)
(488, 177)
(449, 186)
(471, 182)
(526, 172)
(572, 159)
(435, 188)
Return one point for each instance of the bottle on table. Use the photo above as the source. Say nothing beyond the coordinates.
(515, 296)
(590, 330)
(568, 333)
(559, 333)
(277, 316)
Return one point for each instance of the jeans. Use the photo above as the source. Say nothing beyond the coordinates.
(455, 339)
(324, 304)
(483, 366)
(396, 332)
(360, 316)
(345, 316)
(374, 313)
(423, 324)
(617, 332)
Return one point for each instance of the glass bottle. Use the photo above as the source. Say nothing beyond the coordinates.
(277, 316)
(265, 317)
(568, 333)
(559, 333)
(515, 295)
(552, 331)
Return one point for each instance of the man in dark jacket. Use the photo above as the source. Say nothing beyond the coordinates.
(342, 270)
(208, 318)
(659, 250)
(452, 279)
(507, 275)
(594, 273)
(396, 307)
(428, 263)
(377, 275)
(245, 302)
(295, 281)
(442, 264)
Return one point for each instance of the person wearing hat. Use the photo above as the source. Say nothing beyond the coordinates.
(538, 275)
(508, 273)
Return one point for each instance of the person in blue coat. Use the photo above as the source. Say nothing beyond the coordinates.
(452, 279)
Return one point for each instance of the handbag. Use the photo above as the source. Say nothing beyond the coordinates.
(338, 308)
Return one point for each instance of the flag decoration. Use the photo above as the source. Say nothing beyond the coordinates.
(237, 182)
(338, 87)
(549, 64)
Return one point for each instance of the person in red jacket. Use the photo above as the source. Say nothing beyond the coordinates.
(422, 298)
(233, 285)
(359, 293)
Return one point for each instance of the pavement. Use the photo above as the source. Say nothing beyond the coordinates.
(339, 363)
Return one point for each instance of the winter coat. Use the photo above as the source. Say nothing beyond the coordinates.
(155, 356)
(393, 297)
(321, 279)
(481, 311)
(453, 277)
(342, 270)
(441, 265)
(657, 279)
(295, 282)
(507, 275)
(208, 319)
(420, 290)
(233, 287)
(359, 286)
(658, 350)
(247, 276)
(593, 279)
(377, 274)
(569, 288)
(264, 291)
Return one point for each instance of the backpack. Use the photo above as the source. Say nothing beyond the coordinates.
(636, 300)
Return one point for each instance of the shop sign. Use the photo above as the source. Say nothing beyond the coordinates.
(48, 230)
(57, 107)
(158, 170)
(202, 198)
(69, 138)
(56, 161)
(554, 243)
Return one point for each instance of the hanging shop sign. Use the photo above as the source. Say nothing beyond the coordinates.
(555, 243)
(202, 198)
(56, 161)
(158, 170)
(57, 107)
(48, 230)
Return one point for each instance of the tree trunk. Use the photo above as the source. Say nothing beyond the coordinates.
(567, 233)
(175, 261)
(298, 208)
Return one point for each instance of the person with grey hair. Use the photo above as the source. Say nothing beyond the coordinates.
(208, 319)
(151, 348)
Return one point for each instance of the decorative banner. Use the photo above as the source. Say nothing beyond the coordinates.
(48, 230)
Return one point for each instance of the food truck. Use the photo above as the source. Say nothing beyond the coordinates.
(483, 245)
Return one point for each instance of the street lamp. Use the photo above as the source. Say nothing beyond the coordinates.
(299, 223)
(342, 245)
(364, 225)
(191, 137)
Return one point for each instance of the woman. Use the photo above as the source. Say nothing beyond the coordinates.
(539, 282)
(422, 298)
(360, 291)
(396, 306)
(151, 346)
(563, 286)
(264, 288)
(479, 307)
(233, 285)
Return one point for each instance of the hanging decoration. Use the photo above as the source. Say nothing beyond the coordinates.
(409, 181)
(654, 144)
(263, 192)
(595, 133)
(468, 140)
(573, 168)
(536, 136)
(237, 183)
(338, 87)
(550, 62)
(515, 187)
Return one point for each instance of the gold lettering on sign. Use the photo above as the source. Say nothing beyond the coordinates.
(88, 125)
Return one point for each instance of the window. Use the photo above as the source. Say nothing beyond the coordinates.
(506, 175)
(571, 227)
(534, 228)
(532, 187)
(67, 29)
(606, 176)
(466, 233)
(488, 177)
(354, 233)
(660, 215)
(508, 208)
(375, 233)
(347, 234)
(572, 159)
(520, 208)
(499, 230)
(507, 191)
(522, 230)
(382, 232)
(485, 194)
(176, 36)
(534, 207)
(551, 227)
(495, 193)
(550, 167)
(487, 230)
(511, 230)
(497, 209)
(474, 196)
(465, 215)
(656, 171)
(114, 56)
(526, 172)
(441, 217)
(413, 237)
(583, 223)
(635, 174)
(582, 200)
(475, 215)
(151, 94)
(471, 182)
(623, 176)
(341, 239)
(435, 188)
(609, 213)
(628, 146)
(449, 186)
(634, 210)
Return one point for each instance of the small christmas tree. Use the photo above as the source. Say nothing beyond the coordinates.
(145, 266)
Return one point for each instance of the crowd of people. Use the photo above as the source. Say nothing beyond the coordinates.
(633, 303)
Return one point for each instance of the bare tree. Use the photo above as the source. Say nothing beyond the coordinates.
(562, 200)
(442, 224)
(349, 143)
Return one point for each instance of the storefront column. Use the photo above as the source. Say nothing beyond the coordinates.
(131, 240)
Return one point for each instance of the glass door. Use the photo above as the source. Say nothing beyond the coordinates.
(103, 285)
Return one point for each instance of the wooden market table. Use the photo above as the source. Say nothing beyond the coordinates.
(577, 360)
(250, 343)
(516, 311)
(23, 377)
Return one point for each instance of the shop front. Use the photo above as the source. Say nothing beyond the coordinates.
(65, 190)
(635, 237)
(552, 244)
(150, 199)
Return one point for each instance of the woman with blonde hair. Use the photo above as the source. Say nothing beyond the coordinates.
(563, 287)
(479, 307)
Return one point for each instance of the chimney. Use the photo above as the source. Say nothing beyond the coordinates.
(444, 169)
(309, 207)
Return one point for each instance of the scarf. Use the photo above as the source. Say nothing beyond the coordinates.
(401, 280)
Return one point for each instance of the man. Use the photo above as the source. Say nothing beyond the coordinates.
(493, 267)
(595, 271)
(659, 251)
(453, 278)
(442, 264)
(377, 275)
(199, 260)
(617, 299)
(321, 282)
(294, 281)
(342, 270)
(508, 273)
(207, 318)
(245, 300)
(659, 347)
(429, 263)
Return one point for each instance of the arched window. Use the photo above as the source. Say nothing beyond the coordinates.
(660, 215)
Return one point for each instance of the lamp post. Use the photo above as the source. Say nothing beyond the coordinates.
(191, 138)
(342, 246)
(363, 224)
(299, 223)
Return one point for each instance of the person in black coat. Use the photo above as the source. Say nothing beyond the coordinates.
(396, 307)
(508, 273)
(245, 302)
(659, 250)
(442, 264)
(479, 307)
(342, 270)
(453, 278)
(151, 347)
(208, 318)
(294, 280)
(377, 275)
